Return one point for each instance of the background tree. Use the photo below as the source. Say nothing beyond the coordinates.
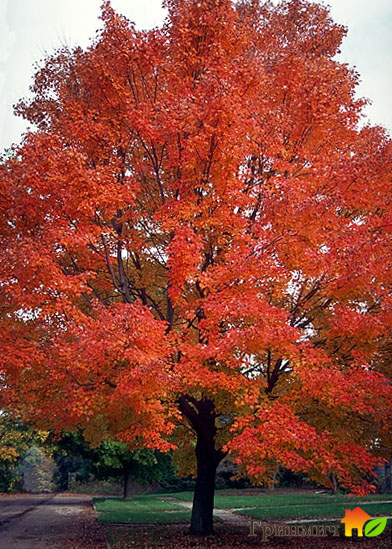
(195, 245)
(37, 471)
(15, 440)
(111, 459)
(143, 466)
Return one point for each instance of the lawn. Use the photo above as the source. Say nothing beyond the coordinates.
(312, 511)
(227, 499)
(157, 522)
(149, 509)
(155, 509)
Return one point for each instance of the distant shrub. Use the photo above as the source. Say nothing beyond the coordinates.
(108, 487)
(36, 471)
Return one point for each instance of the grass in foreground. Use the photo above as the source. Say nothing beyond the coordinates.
(155, 509)
(225, 501)
(310, 511)
(150, 509)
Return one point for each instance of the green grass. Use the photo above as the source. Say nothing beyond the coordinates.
(154, 509)
(151, 502)
(150, 509)
(310, 511)
(224, 501)
(143, 517)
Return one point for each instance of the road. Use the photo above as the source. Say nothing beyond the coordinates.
(48, 521)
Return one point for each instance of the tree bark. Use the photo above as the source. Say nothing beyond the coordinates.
(208, 459)
(201, 415)
(203, 499)
(127, 476)
(335, 486)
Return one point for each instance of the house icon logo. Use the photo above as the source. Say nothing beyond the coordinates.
(360, 521)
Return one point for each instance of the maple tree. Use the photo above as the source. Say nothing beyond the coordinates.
(195, 246)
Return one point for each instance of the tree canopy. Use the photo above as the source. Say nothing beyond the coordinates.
(195, 246)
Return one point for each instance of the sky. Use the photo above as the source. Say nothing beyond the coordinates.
(29, 28)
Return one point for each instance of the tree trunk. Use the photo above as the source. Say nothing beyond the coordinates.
(207, 458)
(334, 481)
(127, 475)
(201, 415)
(203, 499)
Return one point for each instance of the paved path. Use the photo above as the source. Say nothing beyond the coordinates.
(48, 521)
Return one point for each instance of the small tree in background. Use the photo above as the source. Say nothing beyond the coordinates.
(111, 459)
(141, 466)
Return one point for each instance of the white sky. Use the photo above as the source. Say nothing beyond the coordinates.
(29, 28)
